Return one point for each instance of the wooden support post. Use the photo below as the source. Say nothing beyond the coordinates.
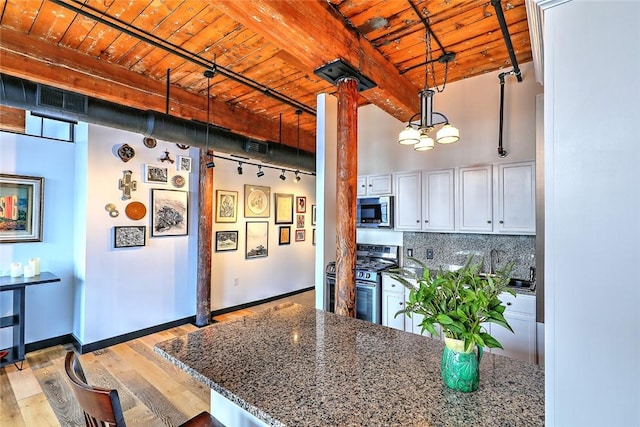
(347, 170)
(205, 225)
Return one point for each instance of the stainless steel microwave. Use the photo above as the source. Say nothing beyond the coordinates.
(375, 212)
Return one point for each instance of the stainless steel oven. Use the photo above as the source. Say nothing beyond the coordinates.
(368, 299)
(371, 261)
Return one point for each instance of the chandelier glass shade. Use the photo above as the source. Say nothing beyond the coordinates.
(417, 133)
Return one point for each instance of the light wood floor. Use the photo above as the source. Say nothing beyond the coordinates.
(152, 391)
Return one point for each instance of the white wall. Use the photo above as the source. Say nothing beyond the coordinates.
(49, 307)
(472, 105)
(592, 197)
(128, 289)
(326, 184)
(287, 268)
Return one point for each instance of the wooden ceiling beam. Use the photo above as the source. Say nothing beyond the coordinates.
(33, 59)
(313, 32)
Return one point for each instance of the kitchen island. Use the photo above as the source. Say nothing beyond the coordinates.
(298, 366)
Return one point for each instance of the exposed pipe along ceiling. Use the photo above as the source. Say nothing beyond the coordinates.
(19, 93)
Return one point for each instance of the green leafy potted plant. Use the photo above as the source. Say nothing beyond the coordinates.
(461, 302)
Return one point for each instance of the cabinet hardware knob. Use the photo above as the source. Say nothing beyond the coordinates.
(508, 303)
(417, 221)
(401, 304)
(426, 220)
(393, 286)
(501, 222)
(370, 185)
(489, 222)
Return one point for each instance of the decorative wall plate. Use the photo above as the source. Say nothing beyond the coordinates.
(178, 181)
(126, 152)
(135, 210)
(149, 142)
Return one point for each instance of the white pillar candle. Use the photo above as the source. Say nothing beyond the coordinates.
(28, 271)
(35, 264)
(16, 269)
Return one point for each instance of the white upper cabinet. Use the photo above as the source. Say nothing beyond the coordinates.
(425, 200)
(438, 200)
(408, 201)
(375, 185)
(475, 199)
(515, 201)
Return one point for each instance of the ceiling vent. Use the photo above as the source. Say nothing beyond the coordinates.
(50, 97)
(256, 147)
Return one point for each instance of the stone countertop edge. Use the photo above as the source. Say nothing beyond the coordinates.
(257, 412)
(520, 291)
(298, 366)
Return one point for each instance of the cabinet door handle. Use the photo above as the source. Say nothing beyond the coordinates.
(393, 285)
(401, 303)
(426, 220)
(501, 222)
(417, 221)
(489, 222)
(508, 303)
(370, 185)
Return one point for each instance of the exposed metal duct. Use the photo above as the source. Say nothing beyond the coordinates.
(23, 94)
(497, 5)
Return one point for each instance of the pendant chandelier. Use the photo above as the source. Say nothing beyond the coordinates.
(418, 133)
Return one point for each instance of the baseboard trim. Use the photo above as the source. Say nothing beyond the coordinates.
(49, 342)
(98, 345)
(262, 301)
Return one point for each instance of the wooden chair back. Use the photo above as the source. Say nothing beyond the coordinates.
(101, 406)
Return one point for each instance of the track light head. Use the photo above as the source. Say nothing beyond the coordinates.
(282, 177)
(260, 173)
(239, 168)
(211, 164)
(297, 178)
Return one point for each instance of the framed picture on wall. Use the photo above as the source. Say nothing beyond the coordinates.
(184, 164)
(285, 235)
(226, 241)
(301, 204)
(256, 201)
(129, 236)
(299, 221)
(313, 236)
(169, 213)
(257, 239)
(21, 199)
(156, 174)
(284, 208)
(226, 206)
(300, 235)
(313, 214)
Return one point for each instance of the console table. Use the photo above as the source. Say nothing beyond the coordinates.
(17, 285)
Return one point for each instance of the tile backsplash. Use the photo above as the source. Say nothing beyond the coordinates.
(455, 249)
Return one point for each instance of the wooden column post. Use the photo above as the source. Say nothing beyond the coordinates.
(347, 170)
(205, 225)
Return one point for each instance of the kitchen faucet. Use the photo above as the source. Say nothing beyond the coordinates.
(493, 258)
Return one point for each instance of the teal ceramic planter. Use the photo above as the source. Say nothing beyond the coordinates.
(461, 370)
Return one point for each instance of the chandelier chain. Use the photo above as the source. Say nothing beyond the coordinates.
(429, 61)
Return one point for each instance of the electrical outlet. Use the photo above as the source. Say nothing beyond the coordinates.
(410, 252)
(429, 253)
(236, 281)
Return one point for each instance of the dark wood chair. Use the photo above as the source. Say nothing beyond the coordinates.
(101, 406)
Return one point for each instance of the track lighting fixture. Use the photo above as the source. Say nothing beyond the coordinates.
(260, 174)
(239, 168)
(282, 177)
(211, 164)
(297, 178)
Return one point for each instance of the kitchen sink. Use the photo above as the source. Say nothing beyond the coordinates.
(520, 283)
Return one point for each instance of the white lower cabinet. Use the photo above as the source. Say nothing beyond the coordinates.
(520, 314)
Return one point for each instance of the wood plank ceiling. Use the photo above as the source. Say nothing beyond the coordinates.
(120, 51)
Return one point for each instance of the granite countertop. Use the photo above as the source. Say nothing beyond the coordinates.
(298, 366)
